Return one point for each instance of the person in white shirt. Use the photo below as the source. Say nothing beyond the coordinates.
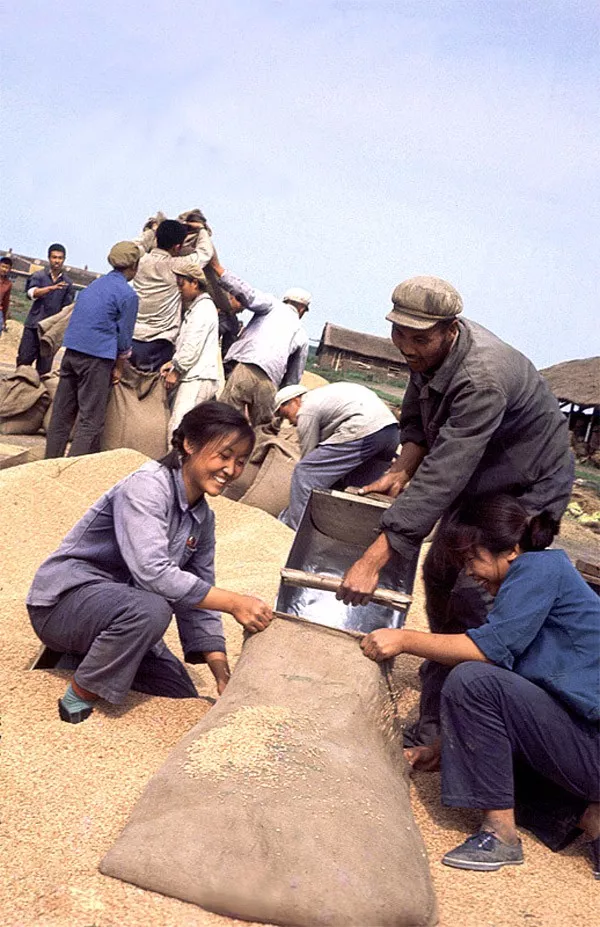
(271, 350)
(159, 313)
(193, 371)
(346, 434)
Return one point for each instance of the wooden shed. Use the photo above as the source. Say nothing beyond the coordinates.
(344, 349)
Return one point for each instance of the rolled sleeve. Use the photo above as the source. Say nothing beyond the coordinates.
(520, 609)
(308, 431)
(141, 522)
(250, 298)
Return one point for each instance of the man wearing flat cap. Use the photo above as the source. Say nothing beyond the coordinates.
(97, 341)
(477, 418)
(271, 350)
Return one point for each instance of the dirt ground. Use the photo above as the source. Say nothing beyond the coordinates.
(69, 790)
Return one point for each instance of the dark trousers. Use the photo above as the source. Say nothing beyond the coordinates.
(491, 717)
(117, 630)
(151, 355)
(83, 391)
(29, 352)
(454, 603)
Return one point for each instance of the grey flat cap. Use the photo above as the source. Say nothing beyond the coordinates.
(421, 302)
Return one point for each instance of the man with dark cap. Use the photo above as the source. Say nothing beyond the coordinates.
(51, 290)
(97, 341)
(477, 418)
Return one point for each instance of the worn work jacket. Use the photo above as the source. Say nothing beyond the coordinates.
(490, 424)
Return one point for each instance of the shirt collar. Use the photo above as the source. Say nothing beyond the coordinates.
(442, 376)
(198, 510)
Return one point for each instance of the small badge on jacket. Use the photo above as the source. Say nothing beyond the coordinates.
(192, 542)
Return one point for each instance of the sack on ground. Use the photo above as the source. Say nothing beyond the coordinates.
(289, 802)
(137, 415)
(23, 402)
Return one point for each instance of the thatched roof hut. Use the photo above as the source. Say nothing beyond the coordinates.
(343, 348)
(575, 381)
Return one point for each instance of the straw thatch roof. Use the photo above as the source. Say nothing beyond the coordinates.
(368, 346)
(576, 381)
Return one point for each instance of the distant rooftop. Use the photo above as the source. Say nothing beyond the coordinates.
(575, 381)
(374, 346)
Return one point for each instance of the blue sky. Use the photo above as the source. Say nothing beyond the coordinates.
(340, 146)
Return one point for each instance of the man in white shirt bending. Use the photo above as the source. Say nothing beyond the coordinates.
(347, 434)
(271, 350)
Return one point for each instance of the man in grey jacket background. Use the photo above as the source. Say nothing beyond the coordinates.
(347, 436)
(477, 418)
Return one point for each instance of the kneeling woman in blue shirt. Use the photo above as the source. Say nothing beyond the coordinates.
(144, 551)
(525, 687)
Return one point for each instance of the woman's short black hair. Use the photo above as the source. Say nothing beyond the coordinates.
(204, 424)
(498, 523)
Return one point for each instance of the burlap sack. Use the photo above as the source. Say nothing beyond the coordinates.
(289, 802)
(23, 402)
(50, 381)
(270, 490)
(267, 438)
(137, 414)
(52, 330)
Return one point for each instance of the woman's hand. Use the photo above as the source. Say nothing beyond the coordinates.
(382, 645)
(253, 614)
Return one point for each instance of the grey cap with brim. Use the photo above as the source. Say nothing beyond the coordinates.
(422, 302)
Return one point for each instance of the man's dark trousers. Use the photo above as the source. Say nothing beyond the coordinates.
(83, 390)
(29, 352)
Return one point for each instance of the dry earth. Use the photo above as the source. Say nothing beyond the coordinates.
(69, 790)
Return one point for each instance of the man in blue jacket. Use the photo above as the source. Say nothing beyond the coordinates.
(97, 341)
(51, 290)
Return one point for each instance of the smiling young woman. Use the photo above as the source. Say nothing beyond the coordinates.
(144, 551)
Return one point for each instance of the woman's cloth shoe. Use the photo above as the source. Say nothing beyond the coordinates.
(484, 852)
(594, 851)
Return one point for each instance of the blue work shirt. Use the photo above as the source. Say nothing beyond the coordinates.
(52, 303)
(545, 626)
(103, 318)
(143, 533)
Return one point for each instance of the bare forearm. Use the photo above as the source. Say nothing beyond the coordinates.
(219, 600)
(409, 459)
(449, 649)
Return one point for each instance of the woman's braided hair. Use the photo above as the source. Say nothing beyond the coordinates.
(205, 424)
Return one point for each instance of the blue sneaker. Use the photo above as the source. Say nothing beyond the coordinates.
(484, 852)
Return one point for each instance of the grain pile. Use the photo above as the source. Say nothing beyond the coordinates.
(69, 790)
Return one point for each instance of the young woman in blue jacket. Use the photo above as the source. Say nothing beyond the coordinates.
(524, 694)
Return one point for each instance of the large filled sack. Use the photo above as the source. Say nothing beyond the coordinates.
(137, 415)
(23, 402)
(289, 803)
(265, 482)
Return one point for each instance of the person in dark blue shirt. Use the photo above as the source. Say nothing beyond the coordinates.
(525, 687)
(97, 341)
(51, 290)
